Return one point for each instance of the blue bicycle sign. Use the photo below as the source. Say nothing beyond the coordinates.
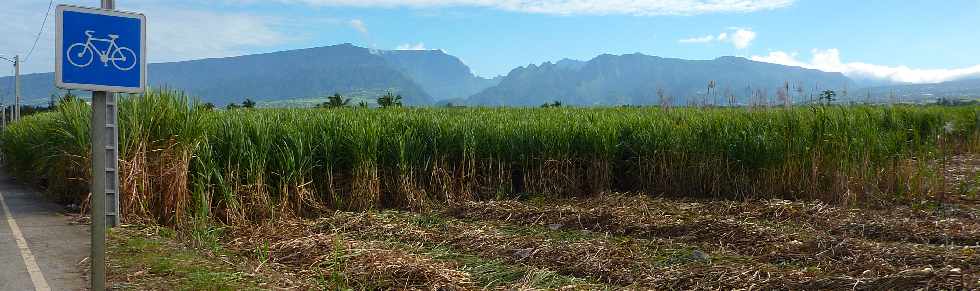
(82, 54)
(100, 50)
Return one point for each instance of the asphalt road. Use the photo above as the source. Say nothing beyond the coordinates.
(39, 249)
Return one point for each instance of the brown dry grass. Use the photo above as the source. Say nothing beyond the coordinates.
(338, 261)
(618, 242)
(880, 245)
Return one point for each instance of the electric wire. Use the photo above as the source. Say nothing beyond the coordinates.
(41, 31)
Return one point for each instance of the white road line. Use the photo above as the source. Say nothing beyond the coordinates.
(25, 252)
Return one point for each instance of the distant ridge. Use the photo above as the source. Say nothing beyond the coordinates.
(635, 79)
(432, 77)
(302, 73)
(960, 89)
(441, 75)
(312, 72)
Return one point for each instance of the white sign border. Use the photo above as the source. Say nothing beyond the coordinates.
(58, 54)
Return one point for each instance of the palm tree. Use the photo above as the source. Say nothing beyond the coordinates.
(554, 104)
(828, 96)
(390, 100)
(248, 103)
(335, 101)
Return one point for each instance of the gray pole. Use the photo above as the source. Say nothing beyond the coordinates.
(105, 202)
(16, 87)
(98, 198)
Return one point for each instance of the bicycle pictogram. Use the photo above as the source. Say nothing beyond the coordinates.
(82, 54)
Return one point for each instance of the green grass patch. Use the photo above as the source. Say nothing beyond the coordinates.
(156, 261)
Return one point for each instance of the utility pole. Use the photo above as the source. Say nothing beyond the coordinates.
(17, 87)
(15, 112)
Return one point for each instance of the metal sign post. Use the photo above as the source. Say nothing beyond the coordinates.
(101, 50)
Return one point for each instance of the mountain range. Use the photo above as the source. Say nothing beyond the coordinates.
(432, 77)
(959, 89)
(421, 77)
(639, 79)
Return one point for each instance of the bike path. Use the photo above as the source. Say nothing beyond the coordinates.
(38, 246)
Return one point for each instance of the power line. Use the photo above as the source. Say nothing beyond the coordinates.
(38, 36)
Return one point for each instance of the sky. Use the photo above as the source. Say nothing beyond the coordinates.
(913, 41)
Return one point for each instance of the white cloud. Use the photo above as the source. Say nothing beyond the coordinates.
(189, 34)
(358, 25)
(177, 30)
(782, 58)
(829, 60)
(411, 47)
(739, 37)
(742, 38)
(576, 7)
(701, 39)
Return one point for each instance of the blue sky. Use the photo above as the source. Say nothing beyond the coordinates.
(907, 40)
